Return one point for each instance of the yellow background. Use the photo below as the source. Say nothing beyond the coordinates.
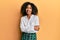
(49, 14)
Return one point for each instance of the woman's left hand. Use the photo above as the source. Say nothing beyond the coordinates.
(36, 28)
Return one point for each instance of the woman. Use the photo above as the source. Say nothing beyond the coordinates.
(29, 21)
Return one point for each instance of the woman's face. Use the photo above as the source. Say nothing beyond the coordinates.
(29, 10)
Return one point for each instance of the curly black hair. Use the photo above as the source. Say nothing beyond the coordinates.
(24, 6)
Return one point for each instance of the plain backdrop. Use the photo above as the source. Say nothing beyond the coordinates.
(48, 12)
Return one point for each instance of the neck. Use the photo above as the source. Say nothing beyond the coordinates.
(29, 16)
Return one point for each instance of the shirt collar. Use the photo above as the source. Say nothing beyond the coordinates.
(30, 17)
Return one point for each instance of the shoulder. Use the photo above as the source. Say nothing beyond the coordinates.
(36, 16)
(23, 17)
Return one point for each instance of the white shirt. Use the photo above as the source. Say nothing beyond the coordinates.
(28, 25)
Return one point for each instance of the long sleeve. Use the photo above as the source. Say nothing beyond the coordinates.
(36, 21)
(23, 28)
(33, 23)
(28, 25)
(30, 28)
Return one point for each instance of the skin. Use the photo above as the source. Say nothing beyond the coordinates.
(29, 11)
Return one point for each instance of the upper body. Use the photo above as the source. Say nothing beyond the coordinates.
(28, 25)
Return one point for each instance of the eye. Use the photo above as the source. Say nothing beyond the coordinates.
(30, 8)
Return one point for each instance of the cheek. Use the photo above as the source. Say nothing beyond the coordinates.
(31, 10)
(26, 10)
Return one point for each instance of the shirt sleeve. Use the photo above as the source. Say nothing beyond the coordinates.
(31, 29)
(37, 21)
(23, 28)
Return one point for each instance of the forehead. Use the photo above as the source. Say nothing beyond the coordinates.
(28, 5)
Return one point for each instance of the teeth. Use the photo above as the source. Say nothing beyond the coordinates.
(28, 11)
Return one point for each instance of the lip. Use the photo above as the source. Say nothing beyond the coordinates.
(28, 11)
